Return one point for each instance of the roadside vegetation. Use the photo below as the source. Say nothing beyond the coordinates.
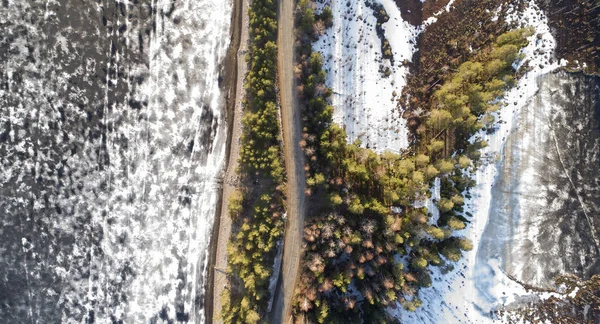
(369, 242)
(257, 207)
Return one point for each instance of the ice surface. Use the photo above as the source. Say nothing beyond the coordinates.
(112, 137)
(546, 198)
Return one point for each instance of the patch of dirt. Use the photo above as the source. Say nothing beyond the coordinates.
(411, 11)
(294, 162)
(416, 12)
(432, 6)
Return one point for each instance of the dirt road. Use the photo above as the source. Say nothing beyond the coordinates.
(231, 178)
(294, 163)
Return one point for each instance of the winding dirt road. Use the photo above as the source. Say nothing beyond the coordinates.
(294, 163)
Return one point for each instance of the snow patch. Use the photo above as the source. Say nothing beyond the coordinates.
(365, 102)
(472, 291)
(275, 275)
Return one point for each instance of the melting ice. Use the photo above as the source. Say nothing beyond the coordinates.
(112, 136)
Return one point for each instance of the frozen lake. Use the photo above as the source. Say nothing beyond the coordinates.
(112, 136)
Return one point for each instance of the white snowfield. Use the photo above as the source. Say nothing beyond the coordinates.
(470, 292)
(364, 101)
(364, 104)
(172, 240)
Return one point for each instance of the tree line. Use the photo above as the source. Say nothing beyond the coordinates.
(257, 207)
(369, 243)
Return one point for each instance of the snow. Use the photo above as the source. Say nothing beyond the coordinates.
(435, 196)
(363, 100)
(470, 292)
(172, 238)
(430, 20)
(275, 275)
(363, 105)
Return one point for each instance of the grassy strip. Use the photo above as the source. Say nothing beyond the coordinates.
(257, 208)
(369, 244)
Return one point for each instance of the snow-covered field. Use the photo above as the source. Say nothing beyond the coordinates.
(473, 289)
(365, 102)
(364, 105)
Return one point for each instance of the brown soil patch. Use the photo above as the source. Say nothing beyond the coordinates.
(415, 12)
(432, 6)
(411, 11)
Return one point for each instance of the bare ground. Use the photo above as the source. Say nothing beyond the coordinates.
(294, 162)
(231, 179)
